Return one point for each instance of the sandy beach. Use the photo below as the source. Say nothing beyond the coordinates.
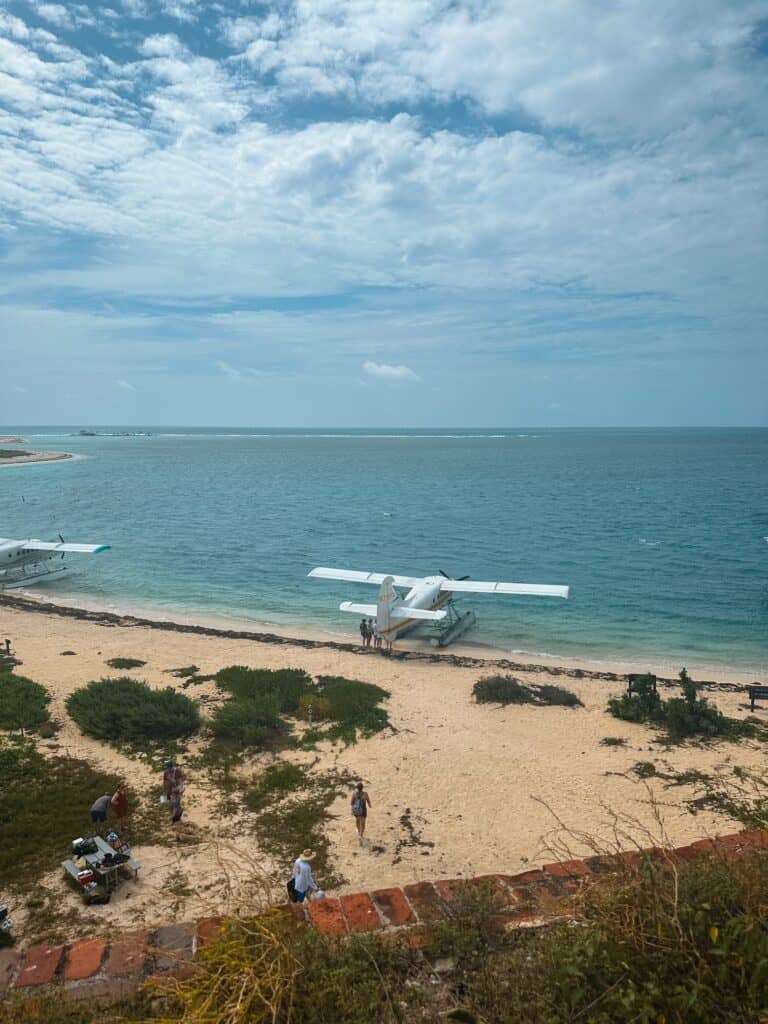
(458, 789)
(23, 458)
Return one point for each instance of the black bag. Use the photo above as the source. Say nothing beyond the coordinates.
(291, 887)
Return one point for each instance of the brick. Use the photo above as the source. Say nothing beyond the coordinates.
(127, 955)
(394, 906)
(293, 913)
(9, 962)
(423, 898)
(524, 878)
(102, 988)
(496, 887)
(450, 888)
(567, 869)
(360, 912)
(209, 929)
(177, 941)
(326, 916)
(40, 965)
(84, 959)
(756, 838)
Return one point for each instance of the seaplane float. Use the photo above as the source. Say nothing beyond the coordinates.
(24, 562)
(428, 599)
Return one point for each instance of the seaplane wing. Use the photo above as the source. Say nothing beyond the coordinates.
(358, 609)
(487, 587)
(83, 549)
(353, 576)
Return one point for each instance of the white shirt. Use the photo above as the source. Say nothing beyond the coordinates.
(302, 873)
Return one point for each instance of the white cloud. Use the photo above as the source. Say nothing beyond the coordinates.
(235, 373)
(384, 371)
(182, 10)
(125, 386)
(56, 14)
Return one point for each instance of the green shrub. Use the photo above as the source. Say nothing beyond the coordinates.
(127, 711)
(502, 690)
(508, 690)
(613, 741)
(352, 707)
(23, 703)
(321, 708)
(286, 684)
(254, 723)
(644, 705)
(126, 663)
(686, 717)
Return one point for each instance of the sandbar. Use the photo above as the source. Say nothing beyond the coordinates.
(8, 458)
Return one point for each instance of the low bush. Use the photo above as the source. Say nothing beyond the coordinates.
(321, 708)
(681, 718)
(613, 741)
(508, 690)
(352, 707)
(288, 685)
(125, 663)
(23, 703)
(644, 705)
(253, 724)
(127, 711)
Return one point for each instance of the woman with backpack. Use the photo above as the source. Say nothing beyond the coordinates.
(360, 804)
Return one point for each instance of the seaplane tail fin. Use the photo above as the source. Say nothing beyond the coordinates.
(354, 576)
(483, 587)
(82, 549)
(403, 612)
(359, 609)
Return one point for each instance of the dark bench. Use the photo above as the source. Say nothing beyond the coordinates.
(756, 693)
(632, 680)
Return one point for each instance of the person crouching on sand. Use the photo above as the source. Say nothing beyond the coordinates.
(360, 804)
(302, 876)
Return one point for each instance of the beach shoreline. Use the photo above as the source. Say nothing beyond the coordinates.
(467, 655)
(27, 458)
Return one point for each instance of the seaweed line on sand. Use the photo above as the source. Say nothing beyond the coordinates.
(103, 618)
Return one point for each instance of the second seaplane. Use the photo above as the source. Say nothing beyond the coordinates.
(425, 599)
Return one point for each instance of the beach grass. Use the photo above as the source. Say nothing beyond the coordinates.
(125, 664)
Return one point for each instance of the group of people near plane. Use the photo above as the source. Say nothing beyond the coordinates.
(370, 635)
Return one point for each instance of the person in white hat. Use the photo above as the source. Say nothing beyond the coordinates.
(302, 875)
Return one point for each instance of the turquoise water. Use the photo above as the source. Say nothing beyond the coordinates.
(662, 534)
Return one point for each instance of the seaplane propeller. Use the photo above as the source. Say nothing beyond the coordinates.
(428, 599)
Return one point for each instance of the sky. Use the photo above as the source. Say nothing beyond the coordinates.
(396, 213)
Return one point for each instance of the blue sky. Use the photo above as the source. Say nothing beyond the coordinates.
(414, 213)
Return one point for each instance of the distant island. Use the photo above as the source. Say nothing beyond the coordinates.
(110, 433)
(18, 456)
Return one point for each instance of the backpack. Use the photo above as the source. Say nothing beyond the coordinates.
(358, 805)
(291, 887)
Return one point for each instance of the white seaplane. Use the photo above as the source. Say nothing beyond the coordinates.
(24, 562)
(428, 599)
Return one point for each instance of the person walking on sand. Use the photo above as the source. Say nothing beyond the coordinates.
(363, 632)
(371, 631)
(173, 778)
(100, 807)
(360, 804)
(119, 804)
(376, 638)
(176, 806)
(302, 876)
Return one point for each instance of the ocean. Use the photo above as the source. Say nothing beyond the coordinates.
(661, 534)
